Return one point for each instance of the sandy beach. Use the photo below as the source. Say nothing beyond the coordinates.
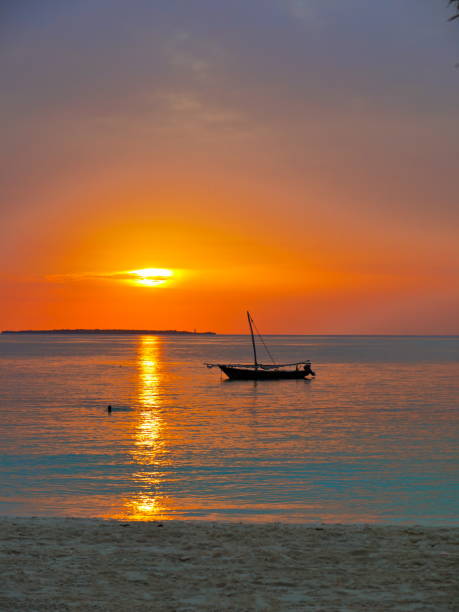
(90, 564)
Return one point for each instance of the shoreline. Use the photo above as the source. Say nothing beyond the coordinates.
(106, 332)
(98, 564)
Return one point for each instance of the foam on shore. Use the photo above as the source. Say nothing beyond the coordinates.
(90, 564)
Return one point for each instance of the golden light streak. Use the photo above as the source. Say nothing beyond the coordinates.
(148, 450)
(148, 439)
(145, 507)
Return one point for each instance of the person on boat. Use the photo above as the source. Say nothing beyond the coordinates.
(307, 369)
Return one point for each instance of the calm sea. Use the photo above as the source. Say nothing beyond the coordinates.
(374, 438)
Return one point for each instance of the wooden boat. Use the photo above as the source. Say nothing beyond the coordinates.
(260, 371)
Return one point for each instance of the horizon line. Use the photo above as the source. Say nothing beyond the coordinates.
(120, 331)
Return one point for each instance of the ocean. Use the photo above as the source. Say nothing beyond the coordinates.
(373, 438)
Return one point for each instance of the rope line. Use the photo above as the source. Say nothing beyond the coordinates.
(261, 338)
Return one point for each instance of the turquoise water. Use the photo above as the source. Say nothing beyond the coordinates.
(372, 439)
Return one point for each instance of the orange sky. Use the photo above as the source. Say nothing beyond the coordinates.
(284, 160)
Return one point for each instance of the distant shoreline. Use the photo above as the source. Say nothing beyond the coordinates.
(174, 332)
(111, 332)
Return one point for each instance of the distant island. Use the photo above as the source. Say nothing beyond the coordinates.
(110, 332)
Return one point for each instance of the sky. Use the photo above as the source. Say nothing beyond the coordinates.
(297, 158)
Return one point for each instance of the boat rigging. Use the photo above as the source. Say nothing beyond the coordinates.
(260, 371)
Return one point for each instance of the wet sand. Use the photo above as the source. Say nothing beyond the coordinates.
(90, 564)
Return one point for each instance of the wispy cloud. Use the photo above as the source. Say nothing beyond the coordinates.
(303, 10)
(133, 275)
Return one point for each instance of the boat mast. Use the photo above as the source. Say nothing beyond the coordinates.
(249, 318)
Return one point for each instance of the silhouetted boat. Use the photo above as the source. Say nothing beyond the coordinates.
(260, 371)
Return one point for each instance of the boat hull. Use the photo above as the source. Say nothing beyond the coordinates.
(259, 374)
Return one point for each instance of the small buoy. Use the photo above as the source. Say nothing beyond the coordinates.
(109, 408)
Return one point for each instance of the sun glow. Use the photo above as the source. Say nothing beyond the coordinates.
(151, 277)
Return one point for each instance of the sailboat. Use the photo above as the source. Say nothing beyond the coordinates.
(260, 371)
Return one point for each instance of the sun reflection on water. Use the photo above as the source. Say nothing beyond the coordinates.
(149, 449)
(148, 365)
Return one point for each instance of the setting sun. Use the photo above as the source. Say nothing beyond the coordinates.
(151, 277)
(332, 211)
